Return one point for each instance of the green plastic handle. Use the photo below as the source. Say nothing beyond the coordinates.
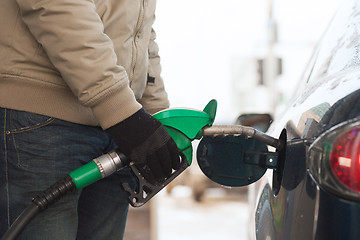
(184, 125)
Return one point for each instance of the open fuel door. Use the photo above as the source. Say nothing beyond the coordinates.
(234, 160)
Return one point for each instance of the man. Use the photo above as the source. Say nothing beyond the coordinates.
(75, 77)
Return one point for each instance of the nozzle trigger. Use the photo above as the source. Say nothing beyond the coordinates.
(146, 190)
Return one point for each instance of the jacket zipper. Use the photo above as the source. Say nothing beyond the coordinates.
(137, 31)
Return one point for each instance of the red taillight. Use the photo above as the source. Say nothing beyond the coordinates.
(334, 160)
(345, 158)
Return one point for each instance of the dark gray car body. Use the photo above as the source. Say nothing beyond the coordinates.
(290, 202)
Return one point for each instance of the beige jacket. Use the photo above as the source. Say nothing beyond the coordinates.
(92, 62)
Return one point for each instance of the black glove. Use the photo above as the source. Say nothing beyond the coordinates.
(145, 141)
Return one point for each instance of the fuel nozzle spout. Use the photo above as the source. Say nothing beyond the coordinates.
(239, 130)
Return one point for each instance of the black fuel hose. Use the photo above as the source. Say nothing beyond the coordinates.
(21, 222)
(40, 203)
(98, 168)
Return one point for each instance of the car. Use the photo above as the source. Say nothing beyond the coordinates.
(312, 188)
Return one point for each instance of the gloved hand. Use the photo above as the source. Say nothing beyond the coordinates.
(145, 141)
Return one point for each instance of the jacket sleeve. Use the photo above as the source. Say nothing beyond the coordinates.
(155, 97)
(72, 34)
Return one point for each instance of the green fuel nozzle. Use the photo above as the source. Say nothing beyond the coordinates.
(184, 125)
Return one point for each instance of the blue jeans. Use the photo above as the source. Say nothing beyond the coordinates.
(35, 152)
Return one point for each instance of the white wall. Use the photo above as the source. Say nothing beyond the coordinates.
(207, 48)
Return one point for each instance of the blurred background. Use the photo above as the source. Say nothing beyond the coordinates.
(248, 55)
